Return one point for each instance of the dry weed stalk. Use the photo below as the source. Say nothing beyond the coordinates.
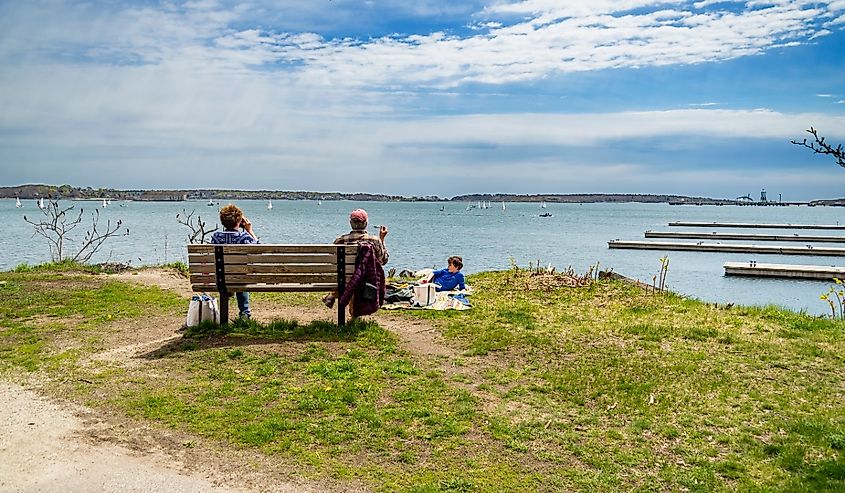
(546, 278)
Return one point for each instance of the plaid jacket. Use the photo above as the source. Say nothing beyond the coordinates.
(359, 236)
(368, 270)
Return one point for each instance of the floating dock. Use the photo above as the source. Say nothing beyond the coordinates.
(726, 247)
(744, 236)
(818, 272)
(694, 224)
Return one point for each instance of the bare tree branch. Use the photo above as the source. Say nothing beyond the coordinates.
(196, 225)
(57, 224)
(819, 146)
(55, 227)
(95, 239)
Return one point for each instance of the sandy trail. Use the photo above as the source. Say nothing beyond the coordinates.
(41, 449)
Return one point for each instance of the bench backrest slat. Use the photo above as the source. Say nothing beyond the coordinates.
(312, 267)
(264, 248)
(265, 268)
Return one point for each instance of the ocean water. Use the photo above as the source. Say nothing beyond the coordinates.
(421, 235)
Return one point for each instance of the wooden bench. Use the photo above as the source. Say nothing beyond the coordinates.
(271, 268)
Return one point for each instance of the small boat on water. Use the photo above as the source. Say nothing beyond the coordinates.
(543, 205)
(18, 202)
(503, 205)
(269, 205)
(41, 203)
(104, 203)
(210, 203)
(546, 214)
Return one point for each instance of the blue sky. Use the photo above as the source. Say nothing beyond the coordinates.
(426, 97)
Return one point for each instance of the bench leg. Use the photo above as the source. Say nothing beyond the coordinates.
(224, 308)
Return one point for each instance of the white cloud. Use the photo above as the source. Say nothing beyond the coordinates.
(517, 41)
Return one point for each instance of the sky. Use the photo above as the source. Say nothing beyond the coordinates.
(425, 97)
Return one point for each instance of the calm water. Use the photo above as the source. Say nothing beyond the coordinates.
(423, 236)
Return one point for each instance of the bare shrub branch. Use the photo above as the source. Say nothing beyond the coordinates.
(819, 146)
(94, 239)
(196, 225)
(58, 223)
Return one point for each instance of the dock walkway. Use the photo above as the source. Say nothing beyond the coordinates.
(694, 224)
(744, 236)
(791, 271)
(727, 247)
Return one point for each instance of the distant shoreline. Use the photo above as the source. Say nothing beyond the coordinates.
(37, 191)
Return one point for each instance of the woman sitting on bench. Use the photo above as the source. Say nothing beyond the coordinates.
(232, 218)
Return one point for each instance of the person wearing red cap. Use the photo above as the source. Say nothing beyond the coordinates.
(358, 221)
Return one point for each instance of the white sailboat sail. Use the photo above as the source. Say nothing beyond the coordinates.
(41, 203)
(543, 205)
(104, 203)
(18, 202)
(503, 205)
(269, 204)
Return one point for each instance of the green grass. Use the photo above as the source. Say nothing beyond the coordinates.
(601, 388)
(51, 316)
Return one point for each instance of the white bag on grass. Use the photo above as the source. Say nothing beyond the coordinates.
(202, 308)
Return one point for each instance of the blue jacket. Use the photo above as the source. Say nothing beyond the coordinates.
(447, 280)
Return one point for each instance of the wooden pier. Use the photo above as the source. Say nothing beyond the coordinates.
(694, 224)
(817, 272)
(726, 247)
(744, 236)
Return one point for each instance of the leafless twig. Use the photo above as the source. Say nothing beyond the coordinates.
(59, 222)
(196, 225)
(819, 146)
(94, 239)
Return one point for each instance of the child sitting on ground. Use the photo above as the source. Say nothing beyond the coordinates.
(450, 277)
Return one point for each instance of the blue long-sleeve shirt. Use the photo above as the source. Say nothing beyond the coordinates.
(447, 280)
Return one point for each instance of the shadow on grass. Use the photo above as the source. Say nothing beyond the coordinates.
(244, 332)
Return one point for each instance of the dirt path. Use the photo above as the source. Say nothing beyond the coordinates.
(42, 449)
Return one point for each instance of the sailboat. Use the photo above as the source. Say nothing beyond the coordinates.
(320, 201)
(210, 203)
(18, 202)
(104, 203)
(269, 204)
(108, 201)
(543, 205)
(41, 203)
(503, 205)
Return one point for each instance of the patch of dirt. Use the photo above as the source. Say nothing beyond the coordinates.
(43, 449)
(163, 278)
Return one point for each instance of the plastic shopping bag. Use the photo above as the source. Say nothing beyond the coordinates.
(202, 308)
